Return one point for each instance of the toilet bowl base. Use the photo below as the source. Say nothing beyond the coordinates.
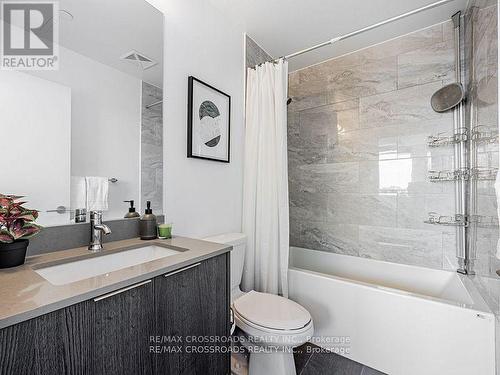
(276, 363)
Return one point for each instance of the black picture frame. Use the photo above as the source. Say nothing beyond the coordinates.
(190, 154)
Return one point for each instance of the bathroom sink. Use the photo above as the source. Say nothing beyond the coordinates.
(81, 269)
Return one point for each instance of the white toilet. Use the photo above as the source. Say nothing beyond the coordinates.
(273, 325)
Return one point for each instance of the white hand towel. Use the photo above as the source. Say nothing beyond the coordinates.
(97, 193)
(78, 192)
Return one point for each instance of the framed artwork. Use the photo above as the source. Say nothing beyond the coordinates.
(209, 122)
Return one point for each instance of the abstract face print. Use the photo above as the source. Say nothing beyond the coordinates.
(210, 127)
(209, 121)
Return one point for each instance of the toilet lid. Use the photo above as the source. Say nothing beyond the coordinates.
(270, 311)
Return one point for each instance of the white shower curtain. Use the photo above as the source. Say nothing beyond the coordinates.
(265, 189)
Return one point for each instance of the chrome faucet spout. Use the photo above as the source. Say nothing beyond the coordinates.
(104, 228)
(97, 228)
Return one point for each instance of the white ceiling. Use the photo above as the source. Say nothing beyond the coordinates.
(282, 27)
(106, 30)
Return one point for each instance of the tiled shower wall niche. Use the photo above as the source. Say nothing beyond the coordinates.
(358, 155)
(152, 148)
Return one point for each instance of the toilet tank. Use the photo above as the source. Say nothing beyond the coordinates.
(238, 241)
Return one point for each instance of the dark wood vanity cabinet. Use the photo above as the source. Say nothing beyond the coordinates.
(123, 323)
(192, 305)
(55, 343)
(153, 327)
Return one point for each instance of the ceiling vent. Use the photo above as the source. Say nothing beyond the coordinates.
(138, 59)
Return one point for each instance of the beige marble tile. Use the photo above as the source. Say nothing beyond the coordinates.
(398, 176)
(406, 43)
(377, 143)
(430, 64)
(348, 118)
(412, 138)
(487, 205)
(336, 238)
(378, 209)
(420, 183)
(372, 78)
(295, 231)
(329, 178)
(304, 100)
(487, 101)
(408, 246)
(484, 3)
(309, 206)
(485, 188)
(345, 149)
(448, 30)
(294, 170)
(487, 160)
(343, 208)
(344, 81)
(293, 122)
(293, 80)
(318, 127)
(485, 26)
(413, 209)
(407, 106)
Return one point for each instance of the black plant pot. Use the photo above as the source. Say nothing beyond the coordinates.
(13, 254)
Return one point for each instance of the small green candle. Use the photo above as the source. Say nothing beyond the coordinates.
(165, 231)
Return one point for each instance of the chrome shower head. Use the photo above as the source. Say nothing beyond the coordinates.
(447, 97)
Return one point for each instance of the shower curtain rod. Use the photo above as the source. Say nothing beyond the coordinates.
(368, 28)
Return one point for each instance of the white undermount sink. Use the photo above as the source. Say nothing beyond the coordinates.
(70, 272)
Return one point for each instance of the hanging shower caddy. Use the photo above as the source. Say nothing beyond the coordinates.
(463, 175)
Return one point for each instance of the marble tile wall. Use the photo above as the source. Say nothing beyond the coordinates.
(482, 113)
(358, 159)
(152, 148)
(255, 54)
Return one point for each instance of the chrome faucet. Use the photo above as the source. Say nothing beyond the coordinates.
(97, 228)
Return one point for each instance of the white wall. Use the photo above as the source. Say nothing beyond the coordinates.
(36, 116)
(105, 124)
(202, 197)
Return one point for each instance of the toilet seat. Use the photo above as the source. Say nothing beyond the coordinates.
(271, 313)
(255, 329)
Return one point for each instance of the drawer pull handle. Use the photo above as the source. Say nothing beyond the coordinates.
(182, 270)
(121, 291)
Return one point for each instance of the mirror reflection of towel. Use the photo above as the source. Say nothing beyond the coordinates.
(78, 192)
(97, 193)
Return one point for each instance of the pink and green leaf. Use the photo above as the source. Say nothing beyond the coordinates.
(5, 236)
(16, 221)
(5, 202)
(26, 231)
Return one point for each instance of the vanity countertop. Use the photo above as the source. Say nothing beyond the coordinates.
(24, 294)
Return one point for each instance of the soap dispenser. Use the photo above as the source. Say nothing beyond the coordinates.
(132, 213)
(147, 224)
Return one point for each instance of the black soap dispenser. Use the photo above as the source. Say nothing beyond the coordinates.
(132, 213)
(147, 224)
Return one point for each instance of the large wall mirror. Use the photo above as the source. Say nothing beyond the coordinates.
(97, 118)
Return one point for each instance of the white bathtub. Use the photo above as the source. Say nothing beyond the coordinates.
(395, 318)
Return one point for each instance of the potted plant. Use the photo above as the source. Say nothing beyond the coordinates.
(17, 224)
